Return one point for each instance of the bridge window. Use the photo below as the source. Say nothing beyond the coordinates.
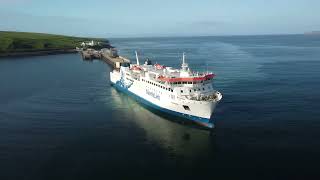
(190, 90)
(181, 91)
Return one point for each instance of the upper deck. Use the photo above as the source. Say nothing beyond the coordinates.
(183, 83)
(169, 75)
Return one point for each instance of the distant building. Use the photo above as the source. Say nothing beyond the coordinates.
(90, 43)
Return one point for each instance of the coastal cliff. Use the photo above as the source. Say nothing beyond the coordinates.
(29, 44)
(312, 33)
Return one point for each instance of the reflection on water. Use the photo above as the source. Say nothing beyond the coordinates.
(181, 139)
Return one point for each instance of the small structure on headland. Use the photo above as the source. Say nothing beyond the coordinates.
(90, 43)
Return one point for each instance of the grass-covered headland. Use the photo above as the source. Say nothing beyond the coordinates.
(25, 43)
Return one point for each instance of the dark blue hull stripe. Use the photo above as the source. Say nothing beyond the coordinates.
(202, 121)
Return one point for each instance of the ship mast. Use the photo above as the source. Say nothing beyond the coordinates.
(184, 65)
(137, 58)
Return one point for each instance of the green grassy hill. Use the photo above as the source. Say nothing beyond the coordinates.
(13, 42)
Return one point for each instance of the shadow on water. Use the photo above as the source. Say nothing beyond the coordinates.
(181, 138)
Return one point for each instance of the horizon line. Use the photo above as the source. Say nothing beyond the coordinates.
(158, 36)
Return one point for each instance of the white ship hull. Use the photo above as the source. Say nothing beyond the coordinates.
(198, 111)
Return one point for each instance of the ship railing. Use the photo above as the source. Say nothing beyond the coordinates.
(212, 97)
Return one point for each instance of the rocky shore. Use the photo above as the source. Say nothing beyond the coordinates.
(38, 53)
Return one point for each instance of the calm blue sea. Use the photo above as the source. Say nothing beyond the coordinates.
(61, 119)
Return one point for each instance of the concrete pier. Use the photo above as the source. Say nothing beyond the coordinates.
(90, 54)
(115, 62)
(113, 59)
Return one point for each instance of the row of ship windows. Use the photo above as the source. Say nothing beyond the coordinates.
(149, 82)
(193, 90)
(129, 79)
(195, 82)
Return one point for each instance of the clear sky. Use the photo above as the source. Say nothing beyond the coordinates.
(138, 18)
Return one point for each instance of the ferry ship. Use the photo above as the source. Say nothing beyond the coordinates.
(179, 92)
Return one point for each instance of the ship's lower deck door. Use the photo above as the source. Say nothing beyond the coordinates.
(186, 107)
